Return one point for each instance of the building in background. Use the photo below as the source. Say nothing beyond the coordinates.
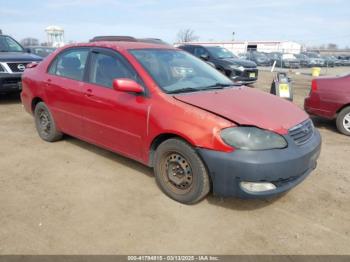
(238, 47)
(55, 36)
(29, 41)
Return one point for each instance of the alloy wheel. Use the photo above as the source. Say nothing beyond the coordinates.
(346, 122)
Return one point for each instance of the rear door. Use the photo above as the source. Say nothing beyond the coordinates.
(64, 89)
(112, 119)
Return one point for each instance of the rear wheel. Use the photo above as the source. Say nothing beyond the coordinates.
(180, 173)
(343, 121)
(45, 124)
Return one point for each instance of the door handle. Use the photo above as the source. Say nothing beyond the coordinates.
(48, 82)
(88, 92)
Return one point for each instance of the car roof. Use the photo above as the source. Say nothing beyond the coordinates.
(125, 45)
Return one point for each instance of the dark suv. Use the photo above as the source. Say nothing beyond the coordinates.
(13, 61)
(239, 70)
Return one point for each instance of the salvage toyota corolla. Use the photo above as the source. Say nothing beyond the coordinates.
(171, 111)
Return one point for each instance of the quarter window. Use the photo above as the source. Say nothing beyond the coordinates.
(70, 64)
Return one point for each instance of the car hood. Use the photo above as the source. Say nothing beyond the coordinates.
(246, 106)
(241, 62)
(18, 57)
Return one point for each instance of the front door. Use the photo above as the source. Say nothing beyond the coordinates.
(112, 119)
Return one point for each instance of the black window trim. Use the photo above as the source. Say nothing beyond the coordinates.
(113, 53)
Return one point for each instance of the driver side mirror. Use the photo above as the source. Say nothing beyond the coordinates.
(204, 57)
(27, 50)
(127, 85)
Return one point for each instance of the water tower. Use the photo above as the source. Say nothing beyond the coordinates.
(55, 36)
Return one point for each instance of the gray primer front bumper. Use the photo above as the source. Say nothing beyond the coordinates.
(283, 167)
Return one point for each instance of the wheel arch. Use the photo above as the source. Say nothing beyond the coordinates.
(160, 139)
(341, 108)
(35, 101)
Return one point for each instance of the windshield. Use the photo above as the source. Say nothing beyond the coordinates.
(177, 71)
(7, 44)
(220, 52)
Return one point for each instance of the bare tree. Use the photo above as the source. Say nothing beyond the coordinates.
(186, 35)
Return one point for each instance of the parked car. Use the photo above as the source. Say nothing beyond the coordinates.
(171, 111)
(344, 60)
(315, 59)
(275, 56)
(239, 70)
(42, 51)
(283, 60)
(304, 60)
(259, 58)
(13, 61)
(330, 98)
(290, 61)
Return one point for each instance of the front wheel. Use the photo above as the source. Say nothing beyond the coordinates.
(180, 173)
(45, 124)
(343, 121)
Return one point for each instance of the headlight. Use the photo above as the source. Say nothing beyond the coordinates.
(252, 138)
(237, 67)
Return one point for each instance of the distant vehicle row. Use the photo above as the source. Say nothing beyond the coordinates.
(305, 59)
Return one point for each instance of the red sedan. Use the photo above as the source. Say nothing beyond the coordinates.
(171, 111)
(330, 98)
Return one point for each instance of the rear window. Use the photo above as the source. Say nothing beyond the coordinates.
(70, 64)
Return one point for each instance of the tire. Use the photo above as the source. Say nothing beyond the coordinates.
(45, 124)
(343, 121)
(180, 173)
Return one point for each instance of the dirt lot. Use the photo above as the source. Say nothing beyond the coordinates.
(70, 197)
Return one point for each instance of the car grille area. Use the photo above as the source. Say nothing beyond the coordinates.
(17, 67)
(302, 132)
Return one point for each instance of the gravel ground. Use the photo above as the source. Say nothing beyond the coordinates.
(71, 197)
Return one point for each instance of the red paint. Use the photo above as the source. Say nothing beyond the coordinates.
(328, 96)
(127, 85)
(128, 123)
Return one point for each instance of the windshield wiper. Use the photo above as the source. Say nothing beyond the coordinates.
(191, 89)
(183, 90)
(217, 86)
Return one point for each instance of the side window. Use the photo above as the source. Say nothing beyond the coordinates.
(198, 51)
(107, 67)
(70, 64)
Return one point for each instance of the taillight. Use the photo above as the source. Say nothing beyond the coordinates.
(313, 86)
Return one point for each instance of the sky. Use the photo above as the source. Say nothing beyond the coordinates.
(309, 22)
